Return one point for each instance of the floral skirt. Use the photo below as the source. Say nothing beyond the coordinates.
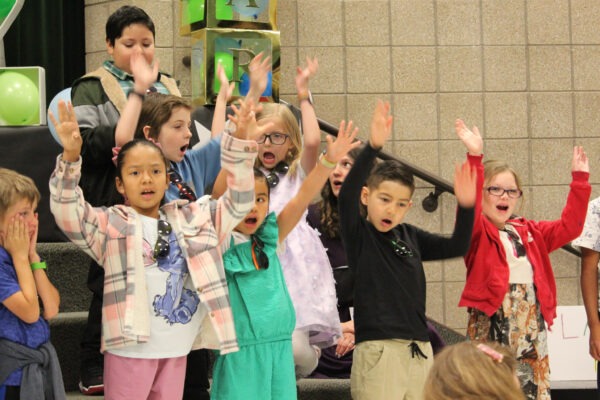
(518, 324)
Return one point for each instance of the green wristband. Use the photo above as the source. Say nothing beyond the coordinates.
(38, 265)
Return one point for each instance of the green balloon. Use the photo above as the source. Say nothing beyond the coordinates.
(5, 7)
(19, 99)
(195, 10)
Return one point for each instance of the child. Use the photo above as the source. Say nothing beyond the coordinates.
(336, 361)
(308, 276)
(393, 354)
(148, 330)
(470, 370)
(29, 366)
(589, 244)
(262, 309)
(99, 98)
(510, 288)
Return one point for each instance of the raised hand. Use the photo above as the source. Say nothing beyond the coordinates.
(226, 89)
(143, 73)
(471, 139)
(580, 160)
(67, 129)
(465, 179)
(338, 148)
(303, 75)
(381, 125)
(259, 75)
(245, 120)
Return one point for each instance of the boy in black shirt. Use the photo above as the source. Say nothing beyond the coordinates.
(393, 354)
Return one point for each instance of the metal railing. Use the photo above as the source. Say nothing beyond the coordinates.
(440, 186)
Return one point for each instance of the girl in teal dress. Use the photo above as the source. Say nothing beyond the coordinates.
(263, 312)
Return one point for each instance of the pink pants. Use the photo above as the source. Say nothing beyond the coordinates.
(143, 378)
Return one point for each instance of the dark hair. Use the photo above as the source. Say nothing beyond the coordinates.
(391, 170)
(330, 215)
(258, 174)
(122, 18)
(130, 145)
(156, 111)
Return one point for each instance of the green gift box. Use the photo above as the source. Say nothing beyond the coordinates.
(236, 14)
(234, 48)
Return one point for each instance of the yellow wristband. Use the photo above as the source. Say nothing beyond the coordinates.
(326, 163)
(38, 265)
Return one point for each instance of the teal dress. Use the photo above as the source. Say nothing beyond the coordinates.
(264, 319)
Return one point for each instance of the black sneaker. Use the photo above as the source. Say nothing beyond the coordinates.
(91, 382)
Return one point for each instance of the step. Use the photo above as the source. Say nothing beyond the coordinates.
(67, 269)
(308, 389)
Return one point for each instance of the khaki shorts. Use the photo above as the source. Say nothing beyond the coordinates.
(387, 369)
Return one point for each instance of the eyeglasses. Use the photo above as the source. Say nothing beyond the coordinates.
(185, 192)
(498, 191)
(273, 178)
(259, 257)
(401, 248)
(519, 249)
(162, 247)
(275, 138)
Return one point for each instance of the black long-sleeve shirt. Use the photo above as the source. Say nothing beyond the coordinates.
(390, 290)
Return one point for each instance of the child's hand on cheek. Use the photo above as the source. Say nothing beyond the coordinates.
(33, 255)
(16, 239)
(68, 131)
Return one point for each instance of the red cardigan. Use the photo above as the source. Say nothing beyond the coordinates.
(487, 269)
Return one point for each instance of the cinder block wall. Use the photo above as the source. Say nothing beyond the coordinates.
(524, 71)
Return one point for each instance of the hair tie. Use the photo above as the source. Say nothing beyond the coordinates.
(493, 354)
(115, 152)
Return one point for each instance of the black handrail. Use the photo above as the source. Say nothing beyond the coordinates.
(440, 185)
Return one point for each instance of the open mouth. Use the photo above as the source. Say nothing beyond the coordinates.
(183, 149)
(268, 157)
(386, 222)
(250, 220)
(337, 183)
(502, 208)
(147, 193)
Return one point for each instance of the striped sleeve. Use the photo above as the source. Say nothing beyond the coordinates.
(83, 224)
(237, 158)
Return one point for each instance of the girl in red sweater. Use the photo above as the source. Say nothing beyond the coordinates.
(510, 289)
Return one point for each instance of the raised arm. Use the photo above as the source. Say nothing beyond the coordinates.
(225, 91)
(259, 74)
(313, 183)
(84, 225)
(310, 126)
(144, 76)
(349, 197)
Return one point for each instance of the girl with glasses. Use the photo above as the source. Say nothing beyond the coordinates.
(286, 162)
(262, 309)
(510, 289)
(165, 291)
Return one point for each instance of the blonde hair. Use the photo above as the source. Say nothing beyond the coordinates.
(284, 115)
(465, 372)
(495, 167)
(15, 187)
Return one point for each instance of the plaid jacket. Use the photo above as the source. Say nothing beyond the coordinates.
(113, 238)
